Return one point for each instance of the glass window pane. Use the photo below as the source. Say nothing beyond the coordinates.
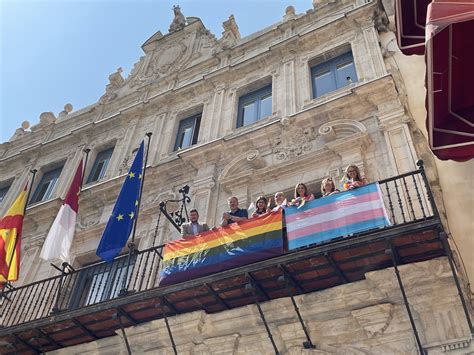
(345, 73)
(265, 107)
(324, 82)
(3, 193)
(187, 137)
(45, 188)
(249, 113)
(49, 190)
(187, 132)
(100, 165)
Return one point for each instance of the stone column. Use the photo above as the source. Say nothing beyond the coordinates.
(289, 103)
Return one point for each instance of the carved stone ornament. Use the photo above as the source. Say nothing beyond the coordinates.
(231, 33)
(375, 319)
(116, 81)
(179, 21)
(294, 142)
(340, 129)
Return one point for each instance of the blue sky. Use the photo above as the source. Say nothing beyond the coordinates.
(62, 51)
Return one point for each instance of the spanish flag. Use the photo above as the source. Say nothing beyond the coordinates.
(10, 239)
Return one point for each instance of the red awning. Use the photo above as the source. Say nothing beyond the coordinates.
(450, 78)
(410, 21)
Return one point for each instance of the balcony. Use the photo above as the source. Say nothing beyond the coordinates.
(98, 300)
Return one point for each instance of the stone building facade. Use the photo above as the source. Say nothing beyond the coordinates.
(191, 90)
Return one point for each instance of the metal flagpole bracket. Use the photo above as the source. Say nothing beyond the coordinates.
(289, 283)
(177, 218)
(255, 289)
(394, 255)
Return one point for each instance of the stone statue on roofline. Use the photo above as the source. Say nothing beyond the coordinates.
(179, 21)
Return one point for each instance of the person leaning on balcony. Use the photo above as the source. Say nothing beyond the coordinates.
(328, 187)
(352, 178)
(301, 193)
(193, 227)
(261, 206)
(235, 214)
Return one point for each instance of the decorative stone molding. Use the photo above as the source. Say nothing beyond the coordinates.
(231, 33)
(204, 184)
(462, 344)
(295, 142)
(47, 118)
(375, 319)
(391, 119)
(340, 129)
(255, 159)
(179, 22)
(115, 82)
(289, 13)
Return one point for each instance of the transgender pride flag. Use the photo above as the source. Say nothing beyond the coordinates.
(334, 216)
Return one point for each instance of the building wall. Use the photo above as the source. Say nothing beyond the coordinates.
(452, 179)
(304, 140)
(365, 317)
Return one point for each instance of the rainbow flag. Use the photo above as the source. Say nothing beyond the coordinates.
(337, 215)
(222, 249)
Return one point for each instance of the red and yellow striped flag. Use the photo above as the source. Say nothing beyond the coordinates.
(10, 239)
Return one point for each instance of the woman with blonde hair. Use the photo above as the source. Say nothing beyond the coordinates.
(352, 178)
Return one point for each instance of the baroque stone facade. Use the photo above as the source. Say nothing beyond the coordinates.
(304, 139)
(365, 317)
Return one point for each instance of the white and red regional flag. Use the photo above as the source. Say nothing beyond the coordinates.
(59, 239)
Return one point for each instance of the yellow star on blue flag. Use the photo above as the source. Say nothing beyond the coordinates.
(118, 228)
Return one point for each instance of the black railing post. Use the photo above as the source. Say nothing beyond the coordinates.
(392, 252)
(421, 167)
(58, 294)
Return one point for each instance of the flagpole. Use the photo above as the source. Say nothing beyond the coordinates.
(32, 171)
(65, 264)
(87, 151)
(131, 245)
(148, 134)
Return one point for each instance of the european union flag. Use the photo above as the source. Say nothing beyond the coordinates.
(121, 221)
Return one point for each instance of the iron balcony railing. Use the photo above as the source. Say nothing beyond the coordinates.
(407, 198)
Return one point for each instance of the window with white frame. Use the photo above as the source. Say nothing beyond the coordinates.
(100, 165)
(333, 74)
(188, 132)
(255, 106)
(45, 188)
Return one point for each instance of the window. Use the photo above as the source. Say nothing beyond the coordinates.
(333, 74)
(101, 282)
(100, 165)
(45, 188)
(255, 106)
(3, 192)
(188, 132)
